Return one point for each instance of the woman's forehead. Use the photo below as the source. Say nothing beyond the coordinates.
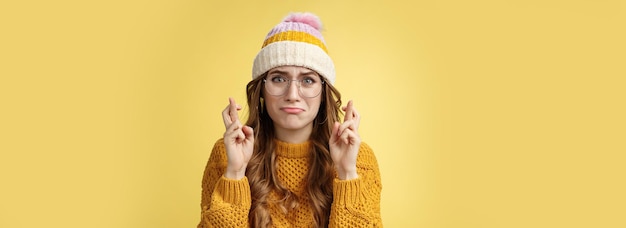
(293, 70)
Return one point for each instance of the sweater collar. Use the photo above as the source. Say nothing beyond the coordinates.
(292, 150)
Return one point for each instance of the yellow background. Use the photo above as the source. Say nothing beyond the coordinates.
(481, 113)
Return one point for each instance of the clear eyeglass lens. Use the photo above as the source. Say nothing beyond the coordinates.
(305, 87)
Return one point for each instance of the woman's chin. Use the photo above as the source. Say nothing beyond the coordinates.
(293, 126)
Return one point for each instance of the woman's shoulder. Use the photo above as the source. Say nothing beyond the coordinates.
(366, 158)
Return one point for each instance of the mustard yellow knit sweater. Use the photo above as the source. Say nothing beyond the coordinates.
(356, 203)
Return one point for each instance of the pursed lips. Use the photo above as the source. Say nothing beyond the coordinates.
(292, 110)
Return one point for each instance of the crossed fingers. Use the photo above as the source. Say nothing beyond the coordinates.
(231, 121)
(348, 130)
(230, 115)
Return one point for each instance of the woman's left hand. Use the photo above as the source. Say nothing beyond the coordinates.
(345, 142)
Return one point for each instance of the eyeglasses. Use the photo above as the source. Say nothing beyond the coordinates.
(308, 87)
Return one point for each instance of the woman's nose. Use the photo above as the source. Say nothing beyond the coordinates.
(293, 90)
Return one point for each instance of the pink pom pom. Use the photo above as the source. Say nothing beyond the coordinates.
(307, 18)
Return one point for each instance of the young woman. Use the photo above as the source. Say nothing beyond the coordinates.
(294, 163)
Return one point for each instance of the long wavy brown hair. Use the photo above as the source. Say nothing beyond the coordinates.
(261, 170)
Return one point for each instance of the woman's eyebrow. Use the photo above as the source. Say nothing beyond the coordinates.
(281, 72)
(309, 73)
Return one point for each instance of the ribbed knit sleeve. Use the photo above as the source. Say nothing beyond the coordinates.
(225, 202)
(356, 203)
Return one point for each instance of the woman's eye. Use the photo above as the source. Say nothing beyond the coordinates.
(278, 79)
(308, 81)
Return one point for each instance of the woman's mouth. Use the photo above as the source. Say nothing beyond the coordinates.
(292, 110)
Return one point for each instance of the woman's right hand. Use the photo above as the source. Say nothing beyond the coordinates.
(239, 142)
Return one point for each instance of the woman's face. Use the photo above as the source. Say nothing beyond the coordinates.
(292, 97)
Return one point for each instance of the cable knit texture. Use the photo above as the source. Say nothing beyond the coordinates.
(226, 203)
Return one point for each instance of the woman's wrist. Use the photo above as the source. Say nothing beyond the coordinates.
(235, 175)
(347, 174)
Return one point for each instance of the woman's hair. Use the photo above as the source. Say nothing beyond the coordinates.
(261, 170)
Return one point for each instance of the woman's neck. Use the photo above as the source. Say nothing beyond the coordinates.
(294, 135)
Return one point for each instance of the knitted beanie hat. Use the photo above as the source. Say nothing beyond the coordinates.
(296, 41)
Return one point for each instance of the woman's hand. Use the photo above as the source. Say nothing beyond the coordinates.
(345, 142)
(239, 142)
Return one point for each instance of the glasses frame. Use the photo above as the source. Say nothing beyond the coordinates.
(298, 84)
